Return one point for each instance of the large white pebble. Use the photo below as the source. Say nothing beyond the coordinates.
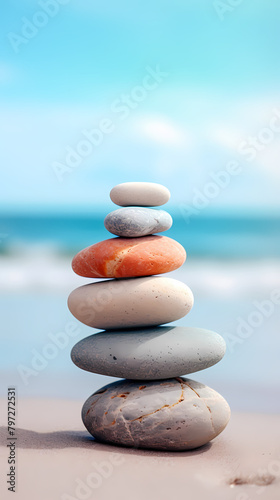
(130, 303)
(143, 194)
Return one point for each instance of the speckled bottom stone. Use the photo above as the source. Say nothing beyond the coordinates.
(171, 414)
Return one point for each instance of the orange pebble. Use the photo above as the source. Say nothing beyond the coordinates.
(129, 257)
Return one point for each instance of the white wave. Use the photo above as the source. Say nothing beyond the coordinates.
(48, 272)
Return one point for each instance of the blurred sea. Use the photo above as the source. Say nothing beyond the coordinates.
(218, 237)
(233, 262)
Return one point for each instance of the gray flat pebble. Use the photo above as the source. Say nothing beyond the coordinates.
(172, 414)
(131, 222)
(150, 353)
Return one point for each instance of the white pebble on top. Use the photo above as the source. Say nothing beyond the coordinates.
(141, 194)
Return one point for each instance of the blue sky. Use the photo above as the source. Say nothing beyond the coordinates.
(222, 88)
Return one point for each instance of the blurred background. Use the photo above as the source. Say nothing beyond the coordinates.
(182, 93)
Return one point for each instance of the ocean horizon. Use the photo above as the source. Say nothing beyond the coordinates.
(216, 236)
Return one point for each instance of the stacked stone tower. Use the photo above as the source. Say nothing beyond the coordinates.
(154, 406)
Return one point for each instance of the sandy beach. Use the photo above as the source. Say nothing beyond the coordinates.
(58, 459)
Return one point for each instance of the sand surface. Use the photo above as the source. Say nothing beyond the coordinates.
(57, 459)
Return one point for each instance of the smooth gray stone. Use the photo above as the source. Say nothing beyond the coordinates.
(172, 414)
(132, 222)
(150, 353)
